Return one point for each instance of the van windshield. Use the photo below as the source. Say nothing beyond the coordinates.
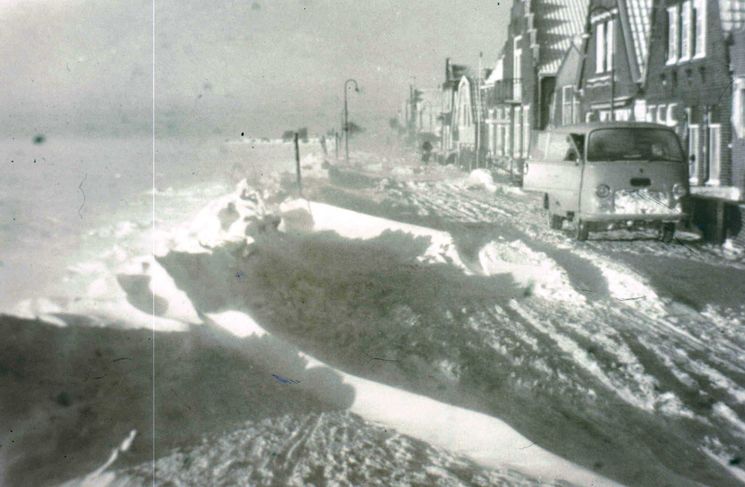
(633, 144)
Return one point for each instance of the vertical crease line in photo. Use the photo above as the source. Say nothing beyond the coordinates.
(153, 236)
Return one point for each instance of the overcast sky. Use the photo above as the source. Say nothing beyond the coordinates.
(259, 66)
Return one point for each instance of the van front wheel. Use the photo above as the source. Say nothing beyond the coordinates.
(581, 231)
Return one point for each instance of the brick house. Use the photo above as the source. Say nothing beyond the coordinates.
(689, 86)
(614, 60)
(465, 117)
(737, 58)
(449, 92)
(520, 95)
(566, 108)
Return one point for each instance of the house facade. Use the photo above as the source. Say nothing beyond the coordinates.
(448, 102)
(691, 86)
(566, 108)
(615, 59)
(521, 93)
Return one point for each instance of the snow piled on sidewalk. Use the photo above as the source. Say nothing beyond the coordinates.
(354, 225)
(533, 270)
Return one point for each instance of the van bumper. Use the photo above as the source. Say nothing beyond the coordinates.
(600, 221)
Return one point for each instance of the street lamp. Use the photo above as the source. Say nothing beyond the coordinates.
(346, 117)
(588, 29)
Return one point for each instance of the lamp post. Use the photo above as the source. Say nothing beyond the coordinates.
(346, 117)
(588, 30)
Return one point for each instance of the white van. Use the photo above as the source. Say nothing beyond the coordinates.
(610, 175)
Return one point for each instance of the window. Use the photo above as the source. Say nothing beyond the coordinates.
(738, 108)
(715, 154)
(500, 140)
(685, 30)
(575, 107)
(507, 133)
(661, 112)
(694, 145)
(567, 97)
(672, 34)
(516, 131)
(604, 46)
(633, 144)
(517, 55)
(600, 47)
(652, 113)
(526, 130)
(698, 21)
(671, 117)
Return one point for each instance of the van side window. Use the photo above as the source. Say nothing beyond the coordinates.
(579, 141)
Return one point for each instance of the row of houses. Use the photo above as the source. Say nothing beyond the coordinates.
(676, 62)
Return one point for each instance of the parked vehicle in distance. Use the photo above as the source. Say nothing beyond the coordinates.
(610, 175)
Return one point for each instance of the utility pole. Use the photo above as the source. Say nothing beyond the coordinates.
(478, 112)
(297, 166)
(346, 117)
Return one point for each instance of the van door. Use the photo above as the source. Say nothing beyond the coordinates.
(567, 175)
(535, 176)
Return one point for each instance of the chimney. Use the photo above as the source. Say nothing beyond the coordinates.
(447, 69)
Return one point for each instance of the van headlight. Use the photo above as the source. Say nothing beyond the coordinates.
(602, 191)
(679, 190)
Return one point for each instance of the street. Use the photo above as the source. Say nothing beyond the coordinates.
(617, 354)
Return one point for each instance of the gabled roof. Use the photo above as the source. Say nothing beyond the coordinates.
(636, 21)
(556, 23)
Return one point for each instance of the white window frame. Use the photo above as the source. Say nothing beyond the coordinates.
(686, 31)
(694, 149)
(517, 133)
(738, 107)
(526, 130)
(715, 154)
(567, 100)
(652, 113)
(670, 119)
(517, 64)
(661, 114)
(600, 47)
(508, 132)
(699, 28)
(604, 44)
(673, 35)
(610, 43)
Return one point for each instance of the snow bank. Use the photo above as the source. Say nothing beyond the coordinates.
(237, 323)
(484, 439)
(222, 220)
(530, 269)
(354, 225)
(481, 179)
(643, 201)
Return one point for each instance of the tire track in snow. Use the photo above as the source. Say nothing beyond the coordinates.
(675, 343)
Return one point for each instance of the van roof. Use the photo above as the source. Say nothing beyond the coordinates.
(583, 128)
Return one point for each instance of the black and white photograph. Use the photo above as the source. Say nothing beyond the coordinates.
(431, 243)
